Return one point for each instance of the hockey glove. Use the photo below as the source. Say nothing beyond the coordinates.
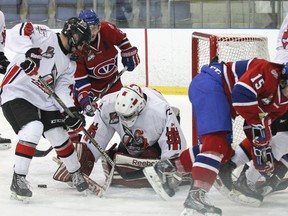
(130, 58)
(263, 159)
(32, 62)
(87, 103)
(27, 29)
(262, 132)
(77, 123)
(3, 63)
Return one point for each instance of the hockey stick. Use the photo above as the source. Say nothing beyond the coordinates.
(43, 153)
(109, 85)
(45, 87)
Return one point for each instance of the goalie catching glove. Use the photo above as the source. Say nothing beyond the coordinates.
(130, 58)
(75, 123)
(32, 62)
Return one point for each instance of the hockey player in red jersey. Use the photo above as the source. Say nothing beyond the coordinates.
(250, 195)
(29, 109)
(257, 90)
(100, 64)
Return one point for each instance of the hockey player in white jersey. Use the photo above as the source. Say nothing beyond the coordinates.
(142, 118)
(4, 142)
(146, 125)
(29, 109)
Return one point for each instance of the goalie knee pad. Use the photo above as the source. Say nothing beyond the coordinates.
(86, 160)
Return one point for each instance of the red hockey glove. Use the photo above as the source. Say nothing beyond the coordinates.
(262, 132)
(87, 103)
(27, 28)
(130, 58)
(263, 159)
(32, 62)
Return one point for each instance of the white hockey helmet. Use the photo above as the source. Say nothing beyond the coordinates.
(129, 103)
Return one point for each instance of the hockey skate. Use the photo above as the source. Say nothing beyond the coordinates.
(78, 181)
(197, 202)
(20, 188)
(5, 143)
(246, 190)
(162, 177)
(225, 174)
(275, 182)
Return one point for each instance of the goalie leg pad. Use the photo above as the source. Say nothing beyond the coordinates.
(86, 160)
(125, 164)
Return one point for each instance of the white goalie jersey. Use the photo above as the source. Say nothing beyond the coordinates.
(156, 123)
(55, 67)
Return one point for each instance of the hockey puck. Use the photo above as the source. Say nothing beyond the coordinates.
(42, 186)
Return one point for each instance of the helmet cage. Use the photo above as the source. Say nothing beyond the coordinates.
(77, 31)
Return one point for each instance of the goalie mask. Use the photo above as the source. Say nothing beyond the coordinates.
(78, 33)
(129, 103)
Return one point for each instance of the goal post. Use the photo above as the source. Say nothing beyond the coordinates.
(228, 47)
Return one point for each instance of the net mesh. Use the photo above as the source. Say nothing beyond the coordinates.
(227, 48)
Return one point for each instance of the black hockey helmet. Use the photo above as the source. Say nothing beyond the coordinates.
(77, 31)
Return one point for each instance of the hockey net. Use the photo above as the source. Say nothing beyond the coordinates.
(228, 48)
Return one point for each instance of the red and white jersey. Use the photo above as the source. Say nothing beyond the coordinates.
(282, 43)
(99, 66)
(2, 31)
(257, 89)
(55, 67)
(156, 123)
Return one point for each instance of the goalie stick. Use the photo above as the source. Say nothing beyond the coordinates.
(43, 153)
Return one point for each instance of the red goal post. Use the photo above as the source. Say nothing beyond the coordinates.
(228, 47)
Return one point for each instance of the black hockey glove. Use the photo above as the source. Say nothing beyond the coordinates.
(3, 63)
(76, 123)
(32, 62)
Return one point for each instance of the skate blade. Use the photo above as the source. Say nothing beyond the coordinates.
(5, 146)
(155, 182)
(238, 197)
(23, 199)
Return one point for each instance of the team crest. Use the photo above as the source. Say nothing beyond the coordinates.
(49, 53)
(114, 118)
(267, 101)
(90, 55)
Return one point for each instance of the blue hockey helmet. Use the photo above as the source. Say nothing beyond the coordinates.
(284, 77)
(89, 16)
